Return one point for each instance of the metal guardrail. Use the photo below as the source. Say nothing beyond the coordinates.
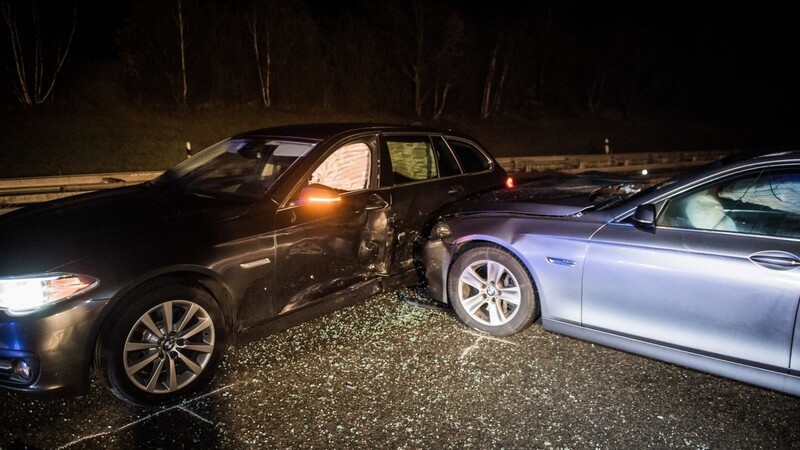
(18, 192)
(620, 162)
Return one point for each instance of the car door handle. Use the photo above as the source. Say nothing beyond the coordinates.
(375, 202)
(455, 190)
(776, 260)
(256, 263)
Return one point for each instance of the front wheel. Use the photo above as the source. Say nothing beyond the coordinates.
(491, 291)
(162, 344)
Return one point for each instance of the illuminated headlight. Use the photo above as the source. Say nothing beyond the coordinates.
(23, 295)
(441, 230)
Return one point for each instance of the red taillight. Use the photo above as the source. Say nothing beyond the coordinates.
(509, 182)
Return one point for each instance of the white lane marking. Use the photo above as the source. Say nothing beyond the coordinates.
(157, 413)
(481, 337)
(189, 411)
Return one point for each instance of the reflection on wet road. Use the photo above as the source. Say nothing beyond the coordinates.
(386, 374)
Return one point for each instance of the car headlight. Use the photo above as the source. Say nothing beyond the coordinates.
(23, 295)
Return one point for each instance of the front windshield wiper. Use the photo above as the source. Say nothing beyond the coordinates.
(615, 200)
(608, 196)
(607, 203)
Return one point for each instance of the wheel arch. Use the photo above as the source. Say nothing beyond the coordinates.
(185, 275)
(480, 252)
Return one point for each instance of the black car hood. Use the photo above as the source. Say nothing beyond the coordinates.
(45, 236)
(551, 194)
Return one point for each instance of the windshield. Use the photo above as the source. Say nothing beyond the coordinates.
(633, 195)
(244, 166)
(626, 193)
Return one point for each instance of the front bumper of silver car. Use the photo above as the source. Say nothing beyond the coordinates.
(436, 257)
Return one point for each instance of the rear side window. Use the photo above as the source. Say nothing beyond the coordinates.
(447, 162)
(413, 159)
(471, 158)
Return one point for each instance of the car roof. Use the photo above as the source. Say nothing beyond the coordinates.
(745, 158)
(322, 131)
(760, 154)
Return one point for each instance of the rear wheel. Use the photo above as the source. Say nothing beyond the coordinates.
(162, 344)
(491, 291)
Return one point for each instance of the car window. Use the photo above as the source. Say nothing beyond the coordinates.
(412, 158)
(470, 157)
(763, 203)
(448, 166)
(244, 166)
(346, 169)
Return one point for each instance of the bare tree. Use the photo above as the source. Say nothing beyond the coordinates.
(34, 69)
(182, 45)
(451, 63)
(440, 97)
(417, 66)
(420, 46)
(488, 92)
(545, 47)
(353, 56)
(411, 47)
(494, 85)
(224, 51)
(263, 51)
(596, 94)
(180, 87)
(639, 73)
(279, 30)
(153, 52)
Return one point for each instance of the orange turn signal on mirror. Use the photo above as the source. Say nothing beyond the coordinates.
(318, 195)
(322, 199)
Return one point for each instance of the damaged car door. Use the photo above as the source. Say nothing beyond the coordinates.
(427, 172)
(332, 232)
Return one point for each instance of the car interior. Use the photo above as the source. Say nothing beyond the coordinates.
(764, 203)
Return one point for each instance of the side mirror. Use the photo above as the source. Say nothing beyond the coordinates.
(645, 217)
(319, 195)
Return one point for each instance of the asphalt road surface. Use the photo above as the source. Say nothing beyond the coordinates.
(386, 374)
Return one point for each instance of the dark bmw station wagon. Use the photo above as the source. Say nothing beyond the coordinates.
(148, 284)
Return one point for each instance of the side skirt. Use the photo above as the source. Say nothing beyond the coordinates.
(777, 381)
(351, 296)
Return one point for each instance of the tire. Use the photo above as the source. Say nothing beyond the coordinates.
(491, 291)
(144, 361)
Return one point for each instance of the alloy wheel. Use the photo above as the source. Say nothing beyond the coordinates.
(169, 346)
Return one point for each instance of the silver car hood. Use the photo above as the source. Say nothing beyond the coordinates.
(549, 195)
